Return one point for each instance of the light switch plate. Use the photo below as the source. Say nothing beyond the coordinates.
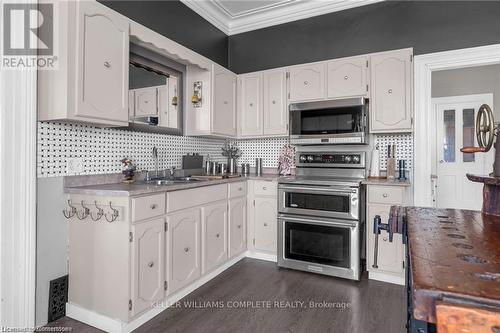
(74, 165)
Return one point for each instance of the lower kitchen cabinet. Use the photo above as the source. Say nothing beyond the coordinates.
(183, 248)
(215, 248)
(237, 226)
(390, 255)
(262, 216)
(148, 258)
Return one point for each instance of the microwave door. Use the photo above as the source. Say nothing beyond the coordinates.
(326, 122)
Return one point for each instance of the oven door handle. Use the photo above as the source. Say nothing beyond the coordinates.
(347, 191)
(346, 224)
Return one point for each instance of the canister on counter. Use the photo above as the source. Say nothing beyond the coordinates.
(258, 166)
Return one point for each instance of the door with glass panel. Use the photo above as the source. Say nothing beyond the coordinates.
(455, 121)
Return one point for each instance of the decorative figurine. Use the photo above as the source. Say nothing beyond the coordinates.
(128, 169)
(285, 160)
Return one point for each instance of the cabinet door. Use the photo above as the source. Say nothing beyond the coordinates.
(184, 241)
(265, 224)
(146, 102)
(148, 264)
(173, 102)
(307, 82)
(224, 112)
(391, 77)
(103, 53)
(214, 235)
(347, 77)
(390, 254)
(237, 226)
(251, 105)
(274, 108)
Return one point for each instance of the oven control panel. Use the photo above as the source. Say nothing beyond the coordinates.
(339, 159)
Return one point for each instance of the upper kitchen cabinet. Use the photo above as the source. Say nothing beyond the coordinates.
(307, 82)
(211, 99)
(262, 105)
(250, 108)
(391, 92)
(91, 83)
(224, 110)
(347, 77)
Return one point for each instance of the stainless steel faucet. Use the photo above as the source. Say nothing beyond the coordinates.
(155, 156)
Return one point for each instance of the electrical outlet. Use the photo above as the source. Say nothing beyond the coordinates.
(74, 165)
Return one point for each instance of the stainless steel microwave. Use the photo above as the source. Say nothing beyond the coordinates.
(339, 121)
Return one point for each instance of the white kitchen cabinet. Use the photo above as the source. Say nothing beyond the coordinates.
(250, 108)
(224, 112)
(347, 77)
(274, 103)
(215, 240)
(391, 255)
(391, 92)
(183, 248)
(237, 226)
(146, 102)
(263, 217)
(307, 82)
(91, 82)
(148, 258)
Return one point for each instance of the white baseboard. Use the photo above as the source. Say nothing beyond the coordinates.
(262, 256)
(386, 277)
(116, 326)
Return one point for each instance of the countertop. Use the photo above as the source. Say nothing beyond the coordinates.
(454, 255)
(133, 189)
(386, 182)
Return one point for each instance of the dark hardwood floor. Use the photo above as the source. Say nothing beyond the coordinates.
(247, 296)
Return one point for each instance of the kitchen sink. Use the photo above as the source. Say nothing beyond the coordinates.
(170, 181)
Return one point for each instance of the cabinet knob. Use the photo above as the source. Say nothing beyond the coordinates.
(217, 235)
(264, 188)
(151, 264)
(384, 239)
(384, 195)
(390, 91)
(225, 102)
(346, 77)
(265, 224)
(239, 226)
(306, 83)
(274, 102)
(107, 64)
(186, 249)
(240, 188)
(153, 206)
(251, 104)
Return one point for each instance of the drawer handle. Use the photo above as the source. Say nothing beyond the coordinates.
(186, 249)
(151, 264)
(346, 77)
(265, 224)
(217, 235)
(107, 64)
(153, 206)
(239, 226)
(385, 195)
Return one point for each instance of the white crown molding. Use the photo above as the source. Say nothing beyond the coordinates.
(266, 17)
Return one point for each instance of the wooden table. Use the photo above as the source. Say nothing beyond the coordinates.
(455, 268)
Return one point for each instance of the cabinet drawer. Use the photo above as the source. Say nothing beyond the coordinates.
(237, 189)
(148, 206)
(265, 188)
(196, 196)
(391, 195)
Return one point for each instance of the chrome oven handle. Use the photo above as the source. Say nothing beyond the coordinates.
(346, 224)
(346, 191)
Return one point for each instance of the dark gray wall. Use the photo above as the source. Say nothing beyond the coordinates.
(427, 26)
(176, 21)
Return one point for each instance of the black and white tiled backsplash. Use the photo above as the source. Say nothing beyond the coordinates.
(102, 148)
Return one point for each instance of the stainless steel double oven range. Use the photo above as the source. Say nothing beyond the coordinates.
(321, 211)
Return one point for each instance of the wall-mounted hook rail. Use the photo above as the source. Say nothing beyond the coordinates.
(71, 212)
(100, 212)
(85, 213)
(114, 216)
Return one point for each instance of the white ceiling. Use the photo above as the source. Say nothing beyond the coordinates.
(237, 16)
